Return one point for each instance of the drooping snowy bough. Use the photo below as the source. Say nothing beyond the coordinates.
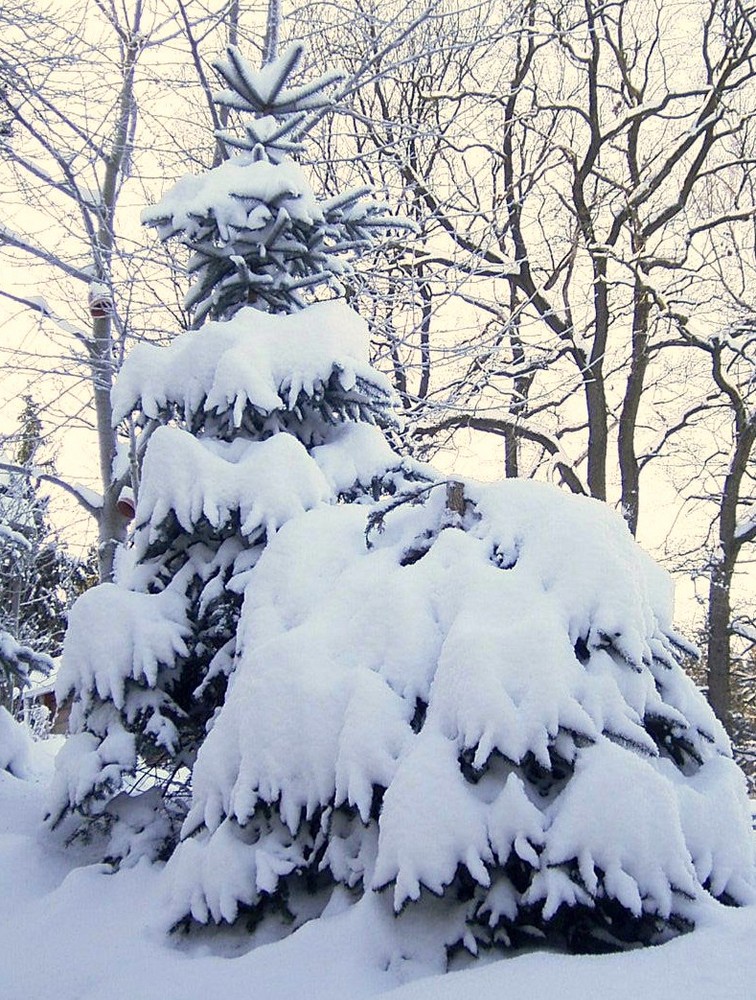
(481, 722)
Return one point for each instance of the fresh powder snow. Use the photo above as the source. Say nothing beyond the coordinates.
(74, 930)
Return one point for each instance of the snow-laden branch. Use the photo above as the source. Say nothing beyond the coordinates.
(63, 187)
(11, 239)
(746, 531)
(743, 215)
(744, 630)
(40, 305)
(88, 499)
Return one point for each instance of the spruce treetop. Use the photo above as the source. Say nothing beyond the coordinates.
(281, 114)
(259, 234)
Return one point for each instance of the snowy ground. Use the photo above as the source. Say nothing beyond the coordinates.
(81, 933)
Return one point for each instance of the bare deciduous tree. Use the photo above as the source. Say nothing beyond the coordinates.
(82, 140)
(578, 172)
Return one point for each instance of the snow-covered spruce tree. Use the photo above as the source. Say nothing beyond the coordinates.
(266, 411)
(38, 578)
(17, 534)
(31, 611)
(475, 726)
(21, 524)
(16, 663)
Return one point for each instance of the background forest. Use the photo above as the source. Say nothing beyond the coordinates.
(576, 304)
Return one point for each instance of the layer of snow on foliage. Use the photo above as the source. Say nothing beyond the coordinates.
(115, 634)
(338, 646)
(18, 660)
(237, 194)
(266, 85)
(256, 358)
(267, 482)
(264, 483)
(359, 453)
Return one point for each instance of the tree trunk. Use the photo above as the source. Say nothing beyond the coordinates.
(111, 523)
(724, 562)
(628, 459)
(272, 30)
(718, 642)
(511, 453)
(598, 431)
